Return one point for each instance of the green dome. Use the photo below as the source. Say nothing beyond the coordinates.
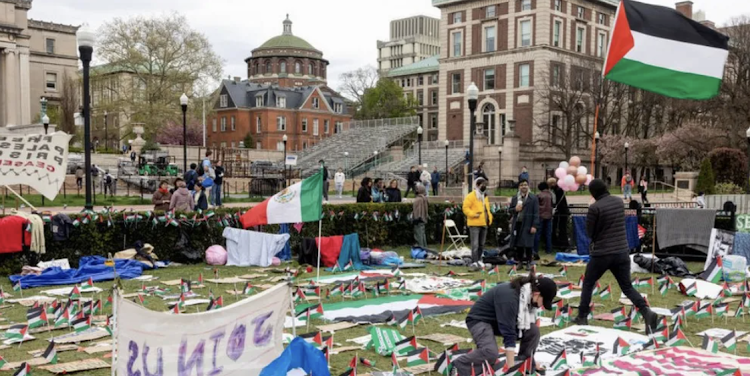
(287, 41)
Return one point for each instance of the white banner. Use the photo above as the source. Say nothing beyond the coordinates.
(38, 161)
(239, 339)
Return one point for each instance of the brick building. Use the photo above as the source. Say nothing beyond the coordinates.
(285, 94)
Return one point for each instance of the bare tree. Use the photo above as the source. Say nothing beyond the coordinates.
(355, 83)
(69, 102)
(732, 106)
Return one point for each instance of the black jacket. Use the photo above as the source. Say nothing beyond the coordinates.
(364, 195)
(499, 308)
(605, 226)
(412, 177)
(561, 201)
(219, 171)
(202, 202)
(394, 194)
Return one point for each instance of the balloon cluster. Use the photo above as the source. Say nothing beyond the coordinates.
(570, 175)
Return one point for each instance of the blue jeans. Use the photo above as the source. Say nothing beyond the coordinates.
(546, 230)
(216, 195)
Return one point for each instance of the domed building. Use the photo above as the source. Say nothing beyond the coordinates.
(285, 94)
(287, 60)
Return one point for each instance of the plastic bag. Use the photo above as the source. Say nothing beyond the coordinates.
(187, 253)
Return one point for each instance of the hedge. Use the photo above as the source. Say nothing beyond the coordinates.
(390, 229)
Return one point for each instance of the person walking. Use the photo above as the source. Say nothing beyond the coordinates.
(525, 221)
(378, 193)
(643, 188)
(411, 180)
(605, 225)
(393, 193)
(218, 182)
(524, 175)
(95, 177)
(419, 216)
(545, 216)
(476, 208)
(190, 177)
(162, 197)
(326, 183)
(560, 215)
(627, 184)
(79, 176)
(364, 195)
(508, 310)
(181, 200)
(435, 181)
(338, 180)
(109, 182)
(201, 202)
(425, 178)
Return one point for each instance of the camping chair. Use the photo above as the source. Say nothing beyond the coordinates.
(456, 238)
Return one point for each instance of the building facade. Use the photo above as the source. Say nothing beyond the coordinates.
(285, 94)
(420, 80)
(411, 40)
(35, 58)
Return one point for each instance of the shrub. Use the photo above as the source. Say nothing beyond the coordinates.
(729, 165)
(728, 189)
(706, 180)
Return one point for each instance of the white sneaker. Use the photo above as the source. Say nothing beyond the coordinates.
(481, 264)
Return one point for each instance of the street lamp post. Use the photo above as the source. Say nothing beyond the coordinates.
(376, 158)
(447, 174)
(86, 38)
(45, 121)
(106, 134)
(627, 146)
(597, 162)
(346, 168)
(184, 104)
(419, 141)
(747, 134)
(473, 95)
(284, 139)
(500, 167)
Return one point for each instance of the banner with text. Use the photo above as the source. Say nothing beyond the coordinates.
(239, 339)
(38, 161)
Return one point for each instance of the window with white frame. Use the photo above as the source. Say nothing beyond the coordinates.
(434, 98)
(281, 123)
(233, 144)
(339, 127)
(555, 78)
(259, 145)
(489, 79)
(316, 103)
(223, 100)
(338, 107)
(223, 124)
(525, 5)
(213, 125)
(489, 12)
(258, 125)
(433, 121)
(50, 44)
(51, 81)
(282, 67)
(435, 79)
(580, 32)
(523, 75)
(601, 18)
(557, 36)
(326, 126)
(280, 146)
(420, 97)
(558, 5)
(420, 81)
(315, 127)
(457, 17)
(304, 125)
(525, 27)
(581, 12)
(458, 42)
(223, 145)
(281, 102)
(456, 83)
(601, 44)
(259, 101)
(297, 67)
(231, 123)
(489, 38)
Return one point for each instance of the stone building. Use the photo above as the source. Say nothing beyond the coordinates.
(420, 80)
(412, 39)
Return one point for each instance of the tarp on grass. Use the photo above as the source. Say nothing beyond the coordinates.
(88, 267)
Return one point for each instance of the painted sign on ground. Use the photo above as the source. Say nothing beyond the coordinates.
(239, 339)
(38, 161)
(673, 361)
(577, 339)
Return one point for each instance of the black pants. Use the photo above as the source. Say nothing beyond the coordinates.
(619, 265)
(484, 338)
(560, 230)
(644, 199)
(409, 188)
(434, 189)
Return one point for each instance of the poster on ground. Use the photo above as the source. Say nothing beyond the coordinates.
(38, 161)
(583, 339)
(238, 339)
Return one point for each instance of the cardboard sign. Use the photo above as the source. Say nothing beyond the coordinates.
(38, 161)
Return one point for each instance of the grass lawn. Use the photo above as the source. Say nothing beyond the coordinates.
(16, 314)
(102, 200)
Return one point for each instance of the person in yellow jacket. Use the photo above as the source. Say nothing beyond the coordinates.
(476, 208)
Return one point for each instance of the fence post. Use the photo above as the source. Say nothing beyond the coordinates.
(65, 192)
(141, 184)
(249, 191)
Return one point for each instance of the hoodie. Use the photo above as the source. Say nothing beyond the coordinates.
(605, 222)
(181, 200)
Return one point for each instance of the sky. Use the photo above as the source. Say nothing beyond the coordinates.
(346, 31)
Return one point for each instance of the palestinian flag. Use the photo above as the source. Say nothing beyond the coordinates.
(494, 271)
(405, 346)
(620, 347)
(450, 273)
(580, 280)
(64, 318)
(739, 312)
(677, 338)
(382, 288)
(2, 362)
(713, 273)
(475, 294)
(690, 290)
(606, 292)
(623, 324)
(349, 265)
(443, 364)
(597, 287)
(730, 341)
(379, 310)
(299, 295)
(418, 357)
(729, 372)
(108, 303)
(513, 271)
(657, 49)
(721, 309)
(75, 293)
(634, 314)
(663, 288)
(416, 315)
(176, 309)
(366, 362)
(646, 282)
(558, 319)
(394, 361)
(652, 344)
(317, 337)
(704, 311)
(88, 285)
(725, 290)
(564, 290)
(636, 282)
(301, 202)
(108, 325)
(746, 300)
(396, 272)
(17, 286)
(17, 331)
(336, 268)
(619, 314)
(81, 324)
(350, 372)
(561, 360)
(452, 348)
(392, 321)
(23, 370)
(248, 290)
(710, 345)
(563, 271)
(659, 335)
(185, 286)
(50, 354)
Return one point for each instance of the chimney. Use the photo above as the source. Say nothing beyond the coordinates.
(686, 8)
(708, 23)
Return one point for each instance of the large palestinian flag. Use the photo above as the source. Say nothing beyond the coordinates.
(381, 309)
(657, 49)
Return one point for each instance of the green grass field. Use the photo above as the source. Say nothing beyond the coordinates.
(16, 313)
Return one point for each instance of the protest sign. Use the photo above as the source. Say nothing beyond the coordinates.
(240, 338)
(38, 161)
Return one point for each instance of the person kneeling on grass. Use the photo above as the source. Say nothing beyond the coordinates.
(507, 310)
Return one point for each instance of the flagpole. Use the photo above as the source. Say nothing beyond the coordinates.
(115, 317)
(294, 312)
(442, 242)
(320, 220)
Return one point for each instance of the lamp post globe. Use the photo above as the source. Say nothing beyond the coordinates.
(419, 141)
(45, 122)
(472, 93)
(627, 146)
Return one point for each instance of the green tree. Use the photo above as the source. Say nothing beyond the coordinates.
(386, 100)
(706, 180)
(249, 141)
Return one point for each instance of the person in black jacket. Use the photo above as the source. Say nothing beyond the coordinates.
(364, 195)
(393, 193)
(561, 215)
(411, 180)
(605, 225)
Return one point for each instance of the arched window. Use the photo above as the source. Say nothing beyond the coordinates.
(315, 70)
(309, 69)
(268, 67)
(297, 67)
(282, 67)
(323, 71)
(488, 120)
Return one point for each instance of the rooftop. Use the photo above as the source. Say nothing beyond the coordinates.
(51, 26)
(440, 3)
(430, 64)
(287, 39)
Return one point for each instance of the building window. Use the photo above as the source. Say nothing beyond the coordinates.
(489, 12)
(489, 79)
(297, 67)
(223, 100)
(259, 101)
(51, 79)
(600, 44)
(557, 33)
(338, 108)
(258, 125)
(602, 19)
(555, 125)
(232, 144)
(304, 145)
(456, 83)
(268, 67)
(526, 33)
(488, 126)
(580, 32)
(339, 127)
(309, 69)
(420, 81)
(581, 12)
(223, 124)
(282, 67)
(223, 145)
(50, 44)
(458, 40)
(434, 98)
(304, 125)
(280, 146)
(231, 123)
(420, 98)
(315, 127)
(259, 145)
(408, 82)
(489, 39)
(281, 123)
(523, 75)
(433, 121)
(525, 5)
(281, 102)
(558, 5)
(555, 79)
(213, 125)
(457, 17)
(435, 79)
(326, 126)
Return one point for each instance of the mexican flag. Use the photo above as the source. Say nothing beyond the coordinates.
(301, 202)
(657, 49)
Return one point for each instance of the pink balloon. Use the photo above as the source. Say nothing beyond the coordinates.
(589, 178)
(575, 161)
(562, 185)
(580, 179)
(575, 187)
(560, 173)
(572, 170)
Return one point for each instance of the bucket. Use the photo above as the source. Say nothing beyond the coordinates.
(734, 268)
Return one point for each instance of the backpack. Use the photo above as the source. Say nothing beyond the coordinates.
(109, 179)
(628, 179)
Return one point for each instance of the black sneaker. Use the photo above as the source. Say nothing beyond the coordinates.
(536, 257)
(580, 321)
(651, 319)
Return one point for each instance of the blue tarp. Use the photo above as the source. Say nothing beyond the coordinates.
(286, 253)
(88, 267)
(570, 257)
(299, 354)
(583, 241)
(742, 245)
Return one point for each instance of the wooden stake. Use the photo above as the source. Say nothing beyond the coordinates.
(442, 242)
(653, 246)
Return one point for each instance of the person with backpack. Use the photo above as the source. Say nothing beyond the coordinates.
(108, 183)
(627, 185)
(191, 177)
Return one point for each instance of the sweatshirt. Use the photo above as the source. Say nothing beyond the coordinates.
(499, 308)
(181, 200)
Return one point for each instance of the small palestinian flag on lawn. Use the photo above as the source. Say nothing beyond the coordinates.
(2, 362)
(392, 321)
(366, 362)
(580, 280)
(690, 290)
(108, 325)
(563, 271)
(739, 312)
(23, 370)
(75, 293)
(88, 285)
(349, 265)
(709, 344)
(185, 286)
(299, 295)
(561, 360)
(663, 288)
(64, 318)
(494, 271)
(394, 361)
(50, 354)
(713, 273)
(401, 285)
(730, 341)
(416, 315)
(634, 314)
(623, 324)
(249, 289)
(746, 300)
(383, 288)
(396, 272)
(721, 309)
(176, 309)
(513, 271)
(606, 293)
(418, 357)
(53, 307)
(405, 346)
(36, 317)
(652, 344)
(17, 286)
(558, 319)
(317, 337)
(336, 268)
(660, 335)
(443, 364)
(108, 302)
(636, 282)
(17, 331)
(620, 347)
(475, 294)
(564, 289)
(597, 287)
(704, 311)
(350, 372)
(725, 290)
(729, 372)
(81, 324)
(647, 283)
(619, 314)
(677, 338)
(450, 273)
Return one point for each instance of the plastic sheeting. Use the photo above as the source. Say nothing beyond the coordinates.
(299, 354)
(286, 253)
(88, 267)
(582, 239)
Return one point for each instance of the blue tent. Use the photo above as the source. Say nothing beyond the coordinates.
(299, 354)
